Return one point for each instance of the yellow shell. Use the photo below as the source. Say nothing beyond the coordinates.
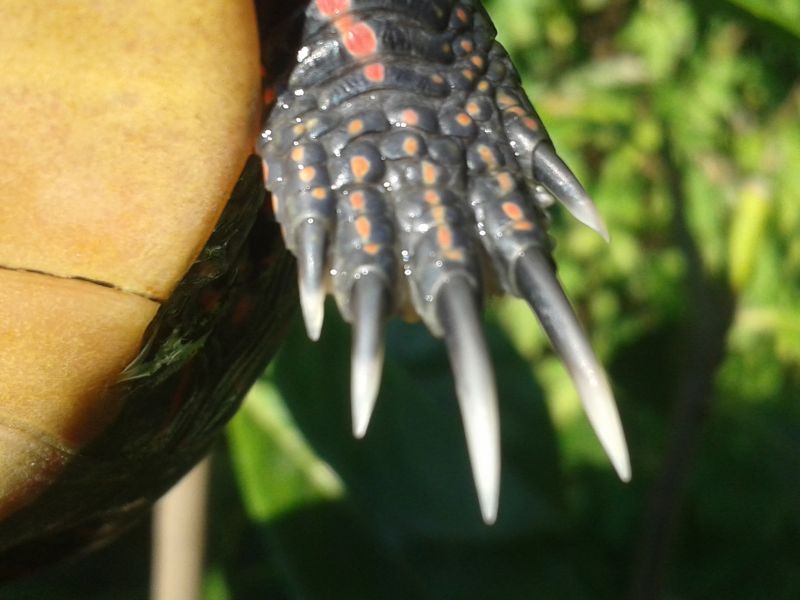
(124, 126)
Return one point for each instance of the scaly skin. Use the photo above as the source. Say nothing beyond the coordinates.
(410, 174)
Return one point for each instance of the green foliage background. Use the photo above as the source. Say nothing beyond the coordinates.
(683, 120)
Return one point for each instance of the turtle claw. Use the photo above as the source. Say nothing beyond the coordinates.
(537, 283)
(475, 387)
(555, 175)
(369, 306)
(310, 238)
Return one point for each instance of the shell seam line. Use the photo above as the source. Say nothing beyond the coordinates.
(104, 284)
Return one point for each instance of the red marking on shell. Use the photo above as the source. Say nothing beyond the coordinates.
(477, 60)
(438, 213)
(359, 38)
(298, 154)
(298, 130)
(513, 211)
(461, 15)
(375, 72)
(516, 110)
(454, 254)
(363, 227)
(357, 201)
(468, 74)
(484, 86)
(319, 193)
(523, 226)
(331, 8)
(372, 248)
(444, 237)
(467, 45)
(360, 166)
(265, 169)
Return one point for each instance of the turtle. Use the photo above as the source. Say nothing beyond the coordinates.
(399, 161)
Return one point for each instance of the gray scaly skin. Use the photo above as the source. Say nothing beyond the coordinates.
(410, 172)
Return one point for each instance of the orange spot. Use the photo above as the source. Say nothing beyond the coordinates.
(512, 210)
(454, 254)
(372, 248)
(463, 119)
(319, 193)
(467, 45)
(468, 74)
(307, 174)
(360, 166)
(523, 226)
(331, 8)
(276, 204)
(432, 197)
(477, 61)
(436, 78)
(375, 72)
(505, 182)
(473, 108)
(357, 200)
(298, 130)
(359, 38)
(461, 15)
(363, 227)
(484, 86)
(444, 236)
(355, 127)
(516, 110)
(505, 101)
(410, 117)
(410, 146)
(298, 153)
(438, 212)
(487, 156)
(530, 123)
(265, 169)
(429, 172)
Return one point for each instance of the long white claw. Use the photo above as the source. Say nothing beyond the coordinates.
(554, 174)
(475, 387)
(311, 249)
(369, 308)
(537, 283)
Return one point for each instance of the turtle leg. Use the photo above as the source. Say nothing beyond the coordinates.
(410, 173)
